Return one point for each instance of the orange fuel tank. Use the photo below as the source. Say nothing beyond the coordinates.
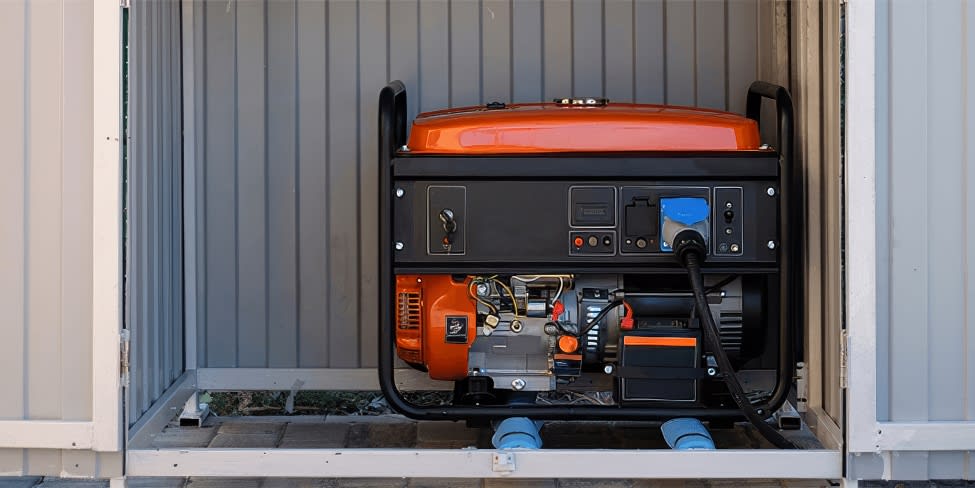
(567, 128)
(435, 324)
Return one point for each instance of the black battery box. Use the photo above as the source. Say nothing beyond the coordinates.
(660, 365)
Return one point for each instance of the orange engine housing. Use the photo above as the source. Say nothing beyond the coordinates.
(435, 324)
(554, 128)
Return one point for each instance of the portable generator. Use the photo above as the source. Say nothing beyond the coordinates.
(584, 259)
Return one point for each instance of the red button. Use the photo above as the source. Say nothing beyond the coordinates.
(578, 242)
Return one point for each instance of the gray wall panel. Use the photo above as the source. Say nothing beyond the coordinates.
(649, 51)
(742, 62)
(969, 182)
(465, 70)
(526, 57)
(495, 54)
(313, 275)
(221, 178)
(588, 70)
(926, 223)
(154, 263)
(372, 75)
(679, 62)
(342, 242)
(251, 177)
(282, 198)
(434, 34)
(710, 55)
(46, 147)
(619, 51)
(557, 49)
(313, 183)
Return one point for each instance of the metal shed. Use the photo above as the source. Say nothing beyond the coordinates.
(239, 215)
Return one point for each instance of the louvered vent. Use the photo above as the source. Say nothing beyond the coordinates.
(408, 316)
(592, 337)
(731, 331)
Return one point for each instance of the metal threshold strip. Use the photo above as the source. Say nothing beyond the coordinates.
(486, 463)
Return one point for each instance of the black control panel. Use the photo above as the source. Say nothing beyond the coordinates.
(491, 221)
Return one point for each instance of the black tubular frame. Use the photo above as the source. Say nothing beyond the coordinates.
(392, 136)
(791, 221)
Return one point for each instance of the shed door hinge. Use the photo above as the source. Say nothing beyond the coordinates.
(124, 356)
(844, 351)
(802, 387)
(124, 3)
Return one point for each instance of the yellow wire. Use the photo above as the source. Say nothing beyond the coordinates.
(470, 291)
(514, 302)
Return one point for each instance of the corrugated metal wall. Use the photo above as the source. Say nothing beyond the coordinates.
(154, 265)
(926, 223)
(285, 99)
(46, 151)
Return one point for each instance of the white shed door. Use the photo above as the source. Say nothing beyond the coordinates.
(61, 161)
(910, 218)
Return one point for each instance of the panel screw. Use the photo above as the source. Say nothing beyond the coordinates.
(518, 384)
(712, 371)
(399, 246)
(482, 289)
(400, 192)
(770, 191)
(608, 369)
(771, 244)
(404, 148)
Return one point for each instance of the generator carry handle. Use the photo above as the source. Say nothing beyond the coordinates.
(791, 195)
(392, 119)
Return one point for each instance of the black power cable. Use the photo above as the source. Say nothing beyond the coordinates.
(690, 250)
(600, 316)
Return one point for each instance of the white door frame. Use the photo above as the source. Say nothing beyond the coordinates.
(107, 211)
(103, 432)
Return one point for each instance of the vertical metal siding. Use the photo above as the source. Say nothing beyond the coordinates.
(926, 223)
(154, 294)
(286, 114)
(46, 113)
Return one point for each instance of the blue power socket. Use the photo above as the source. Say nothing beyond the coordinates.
(679, 213)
